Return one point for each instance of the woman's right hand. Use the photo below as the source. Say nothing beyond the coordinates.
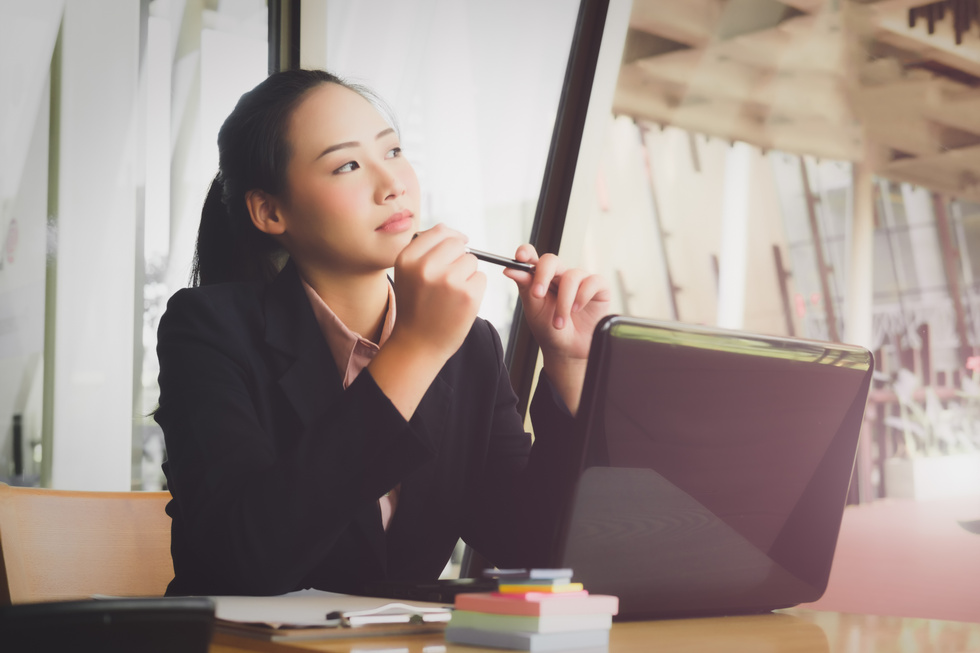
(439, 290)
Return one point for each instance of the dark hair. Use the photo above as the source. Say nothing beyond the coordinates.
(253, 153)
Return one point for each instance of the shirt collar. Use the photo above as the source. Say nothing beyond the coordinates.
(351, 351)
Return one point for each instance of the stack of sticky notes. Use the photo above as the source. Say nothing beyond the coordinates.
(534, 610)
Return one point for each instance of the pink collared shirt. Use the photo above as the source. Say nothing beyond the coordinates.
(352, 353)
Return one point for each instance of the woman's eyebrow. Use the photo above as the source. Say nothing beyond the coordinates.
(340, 146)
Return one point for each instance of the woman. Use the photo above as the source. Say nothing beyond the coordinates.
(314, 440)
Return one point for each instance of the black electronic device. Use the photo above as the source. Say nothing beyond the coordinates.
(714, 467)
(148, 625)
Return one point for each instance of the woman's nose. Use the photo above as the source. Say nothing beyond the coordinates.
(390, 185)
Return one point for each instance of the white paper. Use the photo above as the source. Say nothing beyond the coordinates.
(303, 608)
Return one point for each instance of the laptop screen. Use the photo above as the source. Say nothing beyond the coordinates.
(715, 467)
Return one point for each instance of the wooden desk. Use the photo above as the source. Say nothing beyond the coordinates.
(902, 557)
(789, 631)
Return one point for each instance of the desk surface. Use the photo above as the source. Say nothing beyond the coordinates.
(790, 631)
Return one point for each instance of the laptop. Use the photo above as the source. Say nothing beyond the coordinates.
(714, 468)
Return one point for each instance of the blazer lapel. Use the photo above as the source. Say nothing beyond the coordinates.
(308, 375)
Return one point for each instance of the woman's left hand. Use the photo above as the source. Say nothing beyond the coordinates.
(562, 307)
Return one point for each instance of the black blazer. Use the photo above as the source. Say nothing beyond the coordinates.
(276, 470)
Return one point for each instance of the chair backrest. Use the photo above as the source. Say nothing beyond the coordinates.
(58, 545)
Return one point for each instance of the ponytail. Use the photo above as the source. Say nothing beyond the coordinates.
(230, 248)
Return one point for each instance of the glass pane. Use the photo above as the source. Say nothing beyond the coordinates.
(809, 80)
(474, 86)
(885, 283)
(221, 52)
(971, 232)
(27, 40)
(789, 188)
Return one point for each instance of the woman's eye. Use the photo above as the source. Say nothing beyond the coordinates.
(393, 152)
(350, 166)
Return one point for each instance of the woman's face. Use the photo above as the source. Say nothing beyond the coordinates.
(352, 201)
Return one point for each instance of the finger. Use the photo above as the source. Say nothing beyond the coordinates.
(593, 288)
(526, 254)
(462, 268)
(522, 278)
(444, 253)
(478, 284)
(465, 276)
(424, 241)
(477, 287)
(568, 287)
(545, 270)
(420, 243)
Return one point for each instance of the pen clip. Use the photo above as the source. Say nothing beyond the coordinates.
(403, 613)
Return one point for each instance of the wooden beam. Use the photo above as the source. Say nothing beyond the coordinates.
(785, 96)
(728, 120)
(894, 5)
(692, 22)
(955, 172)
(956, 109)
(893, 28)
(809, 6)
(794, 69)
(785, 88)
(913, 115)
(804, 43)
(965, 158)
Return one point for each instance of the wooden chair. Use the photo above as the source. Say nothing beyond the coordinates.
(58, 545)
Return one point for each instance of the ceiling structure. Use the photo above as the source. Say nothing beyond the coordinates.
(840, 79)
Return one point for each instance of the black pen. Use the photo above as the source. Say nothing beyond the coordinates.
(498, 260)
(502, 260)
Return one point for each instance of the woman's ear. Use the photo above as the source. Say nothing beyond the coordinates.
(264, 211)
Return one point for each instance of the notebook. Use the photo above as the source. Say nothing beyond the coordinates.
(315, 615)
(714, 468)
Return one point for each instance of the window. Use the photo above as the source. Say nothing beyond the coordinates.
(475, 87)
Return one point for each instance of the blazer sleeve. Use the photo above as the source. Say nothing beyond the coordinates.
(256, 515)
(521, 494)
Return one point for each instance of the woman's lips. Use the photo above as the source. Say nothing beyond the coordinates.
(397, 223)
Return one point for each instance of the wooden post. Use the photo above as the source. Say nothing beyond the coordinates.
(859, 298)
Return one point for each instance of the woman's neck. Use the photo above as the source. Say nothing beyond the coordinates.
(360, 301)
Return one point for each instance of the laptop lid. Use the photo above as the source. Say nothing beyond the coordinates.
(715, 467)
